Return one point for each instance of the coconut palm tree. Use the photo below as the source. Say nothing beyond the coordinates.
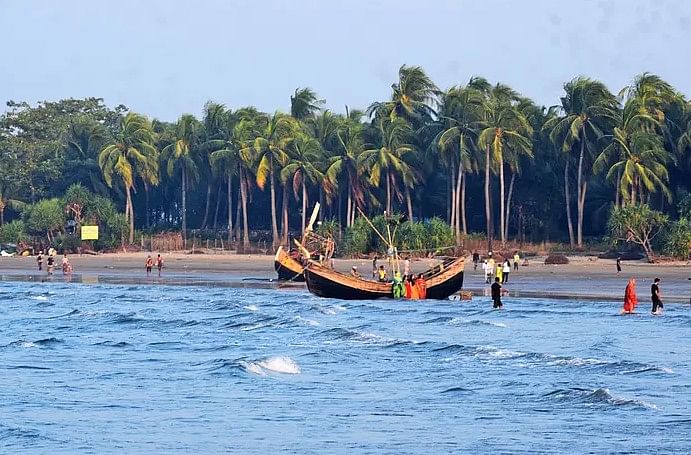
(344, 168)
(213, 123)
(461, 109)
(386, 159)
(589, 110)
(304, 104)
(637, 151)
(411, 99)
(183, 155)
(131, 149)
(304, 153)
(503, 129)
(270, 154)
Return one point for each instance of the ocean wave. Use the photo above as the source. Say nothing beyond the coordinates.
(594, 397)
(113, 344)
(251, 307)
(306, 321)
(46, 342)
(259, 367)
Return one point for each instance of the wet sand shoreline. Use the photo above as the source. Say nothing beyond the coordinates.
(585, 278)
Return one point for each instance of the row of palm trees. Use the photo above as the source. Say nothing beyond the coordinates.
(380, 158)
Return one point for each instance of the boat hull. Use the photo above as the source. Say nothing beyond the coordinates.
(324, 282)
(288, 268)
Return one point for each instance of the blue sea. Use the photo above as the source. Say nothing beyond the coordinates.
(98, 368)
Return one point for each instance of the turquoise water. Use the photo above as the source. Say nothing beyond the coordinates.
(164, 369)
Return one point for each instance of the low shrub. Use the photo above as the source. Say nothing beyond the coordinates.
(556, 259)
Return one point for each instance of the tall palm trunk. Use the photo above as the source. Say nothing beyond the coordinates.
(274, 224)
(304, 206)
(457, 207)
(184, 207)
(502, 203)
(567, 198)
(388, 193)
(230, 208)
(409, 203)
(243, 194)
(284, 215)
(146, 203)
(218, 204)
(581, 190)
(454, 203)
(463, 217)
(349, 207)
(205, 221)
(617, 193)
(508, 205)
(488, 209)
(129, 213)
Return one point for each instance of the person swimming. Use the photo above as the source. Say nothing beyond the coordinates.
(630, 297)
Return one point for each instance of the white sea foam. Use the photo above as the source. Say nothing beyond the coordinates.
(41, 298)
(253, 368)
(252, 308)
(310, 322)
(280, 364)
(28, 344)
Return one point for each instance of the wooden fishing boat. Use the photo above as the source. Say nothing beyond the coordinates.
(442, 281)
(287, 267)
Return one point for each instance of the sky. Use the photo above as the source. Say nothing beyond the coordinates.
(166, 58)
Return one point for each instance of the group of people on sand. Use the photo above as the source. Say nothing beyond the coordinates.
(50, 262)
(149, 264)
(498, 269)
(631, 299)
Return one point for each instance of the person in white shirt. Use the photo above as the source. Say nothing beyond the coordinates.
(487, 270)
(506, 268)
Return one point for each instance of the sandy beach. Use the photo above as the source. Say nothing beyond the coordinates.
(584, 277)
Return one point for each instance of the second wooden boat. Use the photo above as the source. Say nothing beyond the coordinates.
(288, 267)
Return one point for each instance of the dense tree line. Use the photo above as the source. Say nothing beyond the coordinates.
(479, 155)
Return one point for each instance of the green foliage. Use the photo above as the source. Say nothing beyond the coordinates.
(357, 238)
(13, 232)
(677, 241)
(413, 238)
(329, 228)
(637, 224)
(45, 217)
(684, 206)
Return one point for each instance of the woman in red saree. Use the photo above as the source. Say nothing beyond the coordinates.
(421, 286)
(630, 298)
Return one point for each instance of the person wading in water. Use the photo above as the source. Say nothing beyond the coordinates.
(655, 296)
(630, 297)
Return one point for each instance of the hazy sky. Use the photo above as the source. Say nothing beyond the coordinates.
(164, 58)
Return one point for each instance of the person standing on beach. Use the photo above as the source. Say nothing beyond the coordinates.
(490, 267)
(496, 294)
(655, 296)
(159, 264)
(374, 267)
(618, 265)
(506, 269)
(39, 260)
(487, 270)
(50, 262)
(500, 271)
(516, 260)
(630, 297)
(149, 265)
(476, 259)
(406, 266)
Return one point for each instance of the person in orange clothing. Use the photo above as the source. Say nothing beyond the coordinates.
(408, 288)
(630, 298)
(421, 286)
(414, 292)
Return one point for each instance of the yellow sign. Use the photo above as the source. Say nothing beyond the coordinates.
(89, 232)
